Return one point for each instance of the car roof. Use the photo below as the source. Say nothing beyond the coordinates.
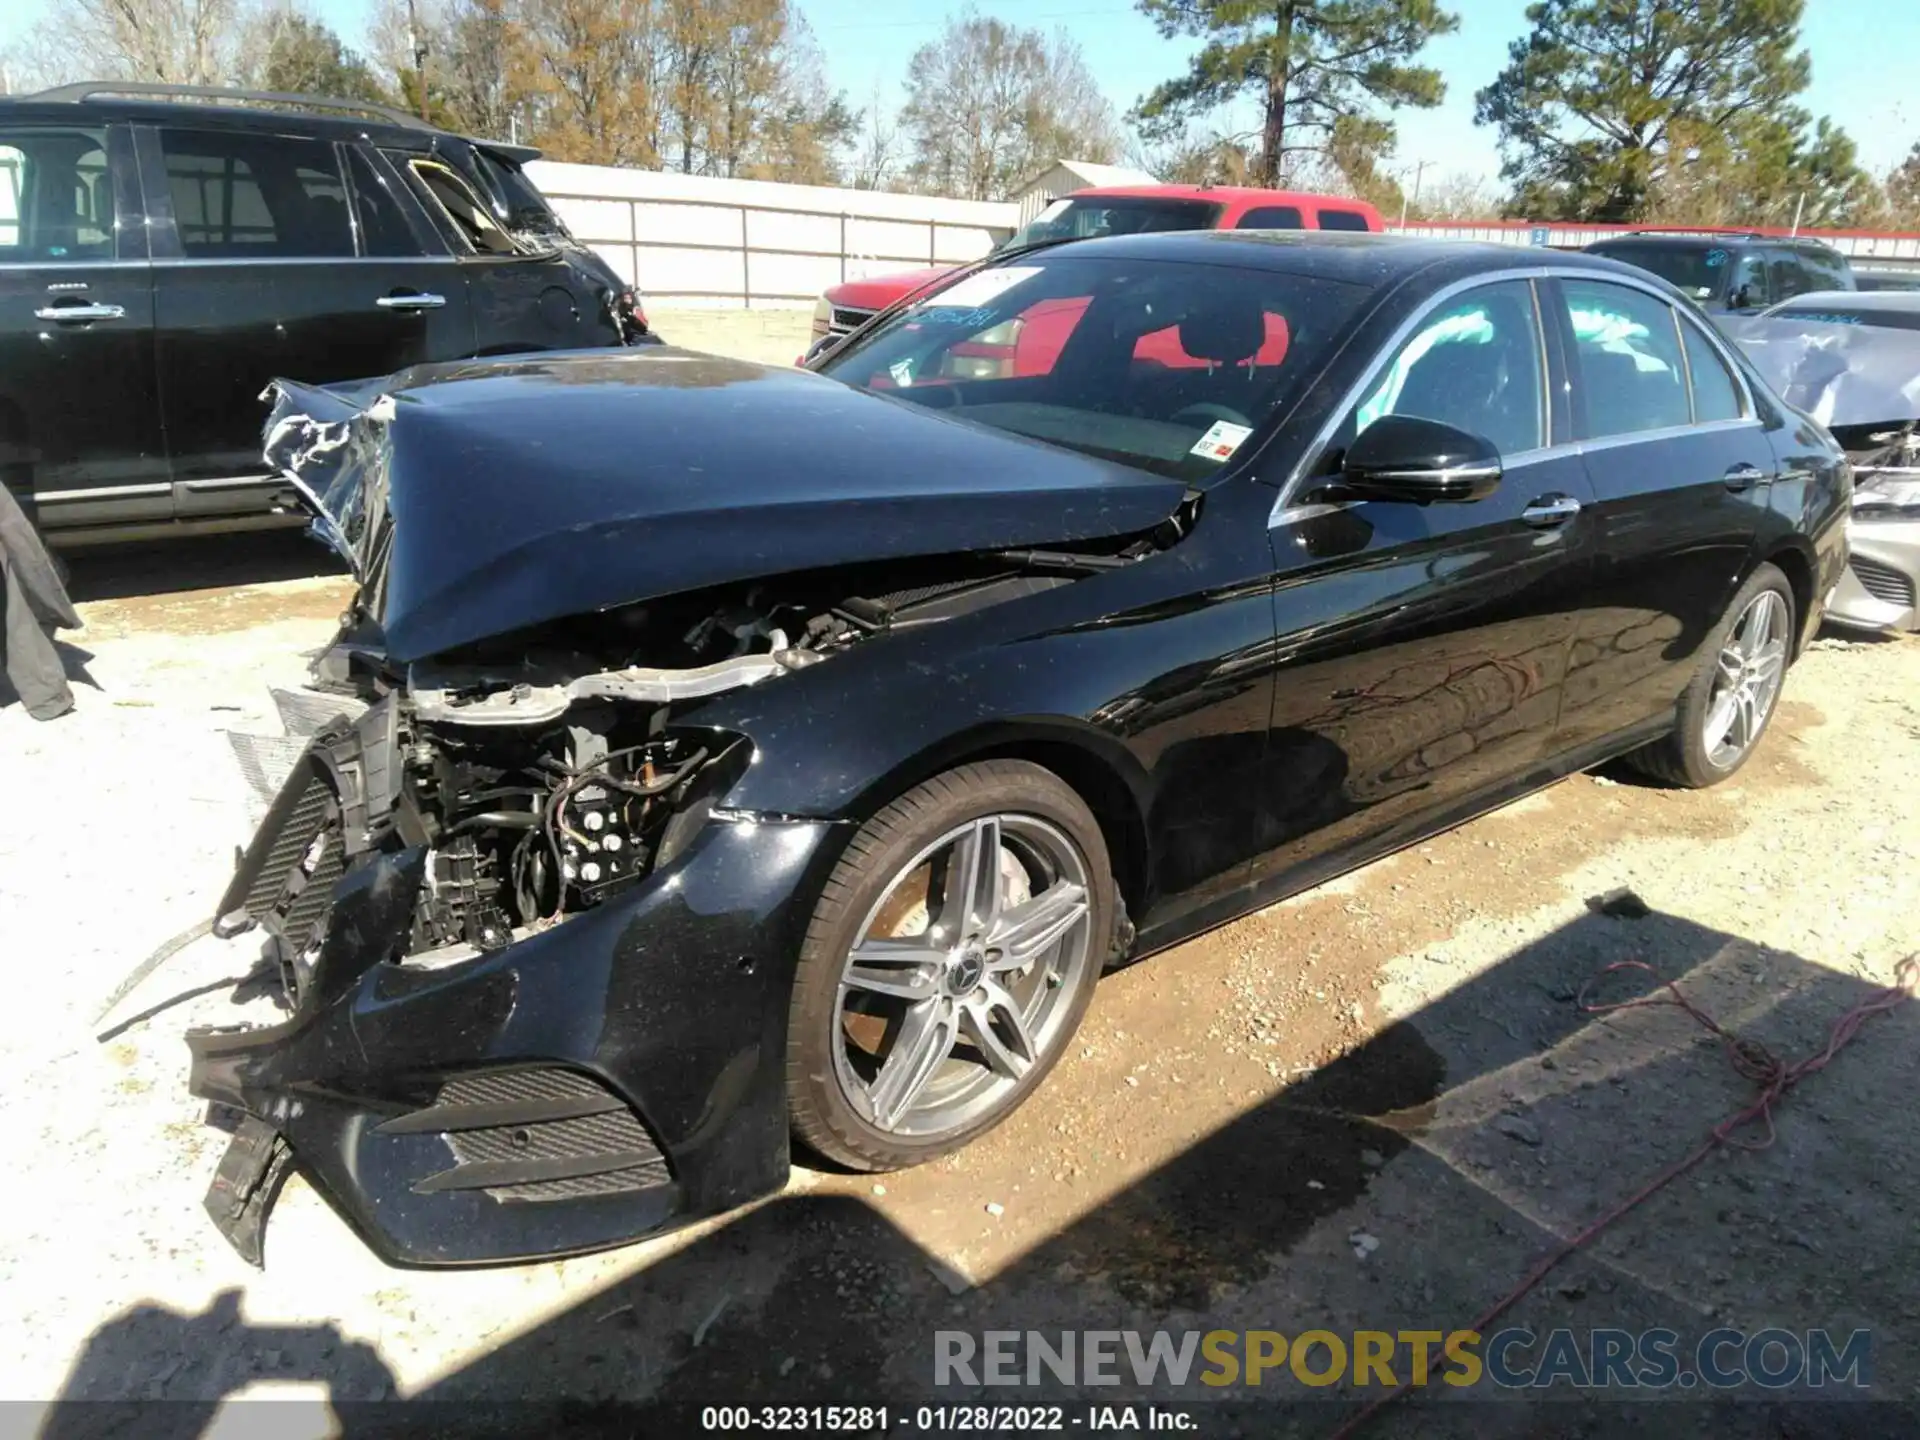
(1892, 302)
(1357, 257)
(214, 115)
(1224, 194)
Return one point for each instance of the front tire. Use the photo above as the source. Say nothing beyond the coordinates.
(1731, 699)
(950, 958)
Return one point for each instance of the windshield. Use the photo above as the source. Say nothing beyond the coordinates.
(1699, 271)
(1163, 365)
(1087, 216)
(1827, 312)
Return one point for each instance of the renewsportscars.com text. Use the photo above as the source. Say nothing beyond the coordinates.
(1514, 1358)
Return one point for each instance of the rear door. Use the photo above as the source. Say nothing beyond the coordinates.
(79, 416)
(1422, 648)
(268, 265)
(1679, 464)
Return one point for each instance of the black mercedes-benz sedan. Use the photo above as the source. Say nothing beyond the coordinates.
(718, 755)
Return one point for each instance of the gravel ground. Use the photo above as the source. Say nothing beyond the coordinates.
(1397, 1058)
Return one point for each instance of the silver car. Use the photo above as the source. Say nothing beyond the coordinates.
(1852, 361)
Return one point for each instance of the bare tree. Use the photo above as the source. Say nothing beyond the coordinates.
(175, 42)
(876, 153)
(988, 103)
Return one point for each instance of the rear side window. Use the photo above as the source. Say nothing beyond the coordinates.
(384, 230)
(249, 196)
(1628, 348)
(463, 208)
(1474, 365)
(1343, 220)
(56, 196)
(1715, 396)
(1270, 217)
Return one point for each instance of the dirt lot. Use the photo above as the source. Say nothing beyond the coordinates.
(1374, 1106)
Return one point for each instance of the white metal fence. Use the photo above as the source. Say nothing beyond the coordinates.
(697, 241)
(692, 240)
(1861, 244)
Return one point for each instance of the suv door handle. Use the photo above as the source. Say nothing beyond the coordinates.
(1744, 476)
(411, 300)
(1550, 510)
(78, 314)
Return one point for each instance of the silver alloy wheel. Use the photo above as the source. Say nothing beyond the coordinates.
(963, 975)
(1746, 680)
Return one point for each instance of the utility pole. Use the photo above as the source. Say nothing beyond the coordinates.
(416, 42)
(1418, 170)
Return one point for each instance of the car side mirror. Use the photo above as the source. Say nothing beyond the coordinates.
(1741, 299)
(1410, 459)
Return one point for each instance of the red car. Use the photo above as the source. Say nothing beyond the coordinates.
(1119, 210)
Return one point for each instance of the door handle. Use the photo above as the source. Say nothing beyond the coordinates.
(79, 314)
(412, 300)
(1550, 510)
(1744, 476)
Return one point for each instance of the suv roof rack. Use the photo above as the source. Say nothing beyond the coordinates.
(97, 89)
(1680, 232)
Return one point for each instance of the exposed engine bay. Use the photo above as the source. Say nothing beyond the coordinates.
(542, 781)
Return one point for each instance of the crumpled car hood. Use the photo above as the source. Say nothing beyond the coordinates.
(1839, 374)
(480, 497)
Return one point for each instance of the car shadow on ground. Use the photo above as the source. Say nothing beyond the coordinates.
(1405, 1186)
(210, 562)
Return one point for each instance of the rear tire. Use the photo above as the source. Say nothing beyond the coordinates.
(933, 992)
(1728, 705)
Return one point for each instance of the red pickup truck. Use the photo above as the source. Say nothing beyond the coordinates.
(1120, 210)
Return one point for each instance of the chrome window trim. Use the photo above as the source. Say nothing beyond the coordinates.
(1284, 512)
(153, 490)
(13, 266)
(1749, 408)
(189, 262)
(1665, 432)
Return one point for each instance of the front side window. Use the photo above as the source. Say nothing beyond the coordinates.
(56, 196)
(249, 196)
(1715, 396)
(1627, 351)
(1475, 365)
(1168, 367)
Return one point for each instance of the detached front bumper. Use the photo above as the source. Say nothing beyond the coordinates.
(1882, 580)
(616, 1074)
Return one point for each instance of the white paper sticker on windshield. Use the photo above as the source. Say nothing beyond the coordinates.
(982, 287)
(1221, 440)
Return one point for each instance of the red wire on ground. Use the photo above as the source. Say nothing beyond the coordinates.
(1752, 1059)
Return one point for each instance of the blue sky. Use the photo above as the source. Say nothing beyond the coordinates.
(1857, 78)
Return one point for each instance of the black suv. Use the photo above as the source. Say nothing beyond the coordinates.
(1729, 271)
(165, 251)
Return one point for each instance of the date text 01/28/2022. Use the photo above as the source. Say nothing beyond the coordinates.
(988, 1419)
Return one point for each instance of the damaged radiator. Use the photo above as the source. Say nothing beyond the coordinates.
(266, 760)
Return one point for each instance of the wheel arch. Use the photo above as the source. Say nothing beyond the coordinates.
(1103, 773)
(1793, 557)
